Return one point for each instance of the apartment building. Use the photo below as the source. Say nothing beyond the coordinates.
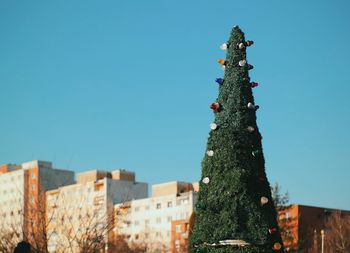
(148, 221)
(80, 214)
(22, 188)
(302, 226)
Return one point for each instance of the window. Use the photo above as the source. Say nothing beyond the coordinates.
(287, 216)
(137, 222)
(158, 234)
(146, 222)
(159, 220)
(169, 218)
(170, 204)
(159, 206)
(177, 244)
(178, 228)
(147, 207)
(184, 201)
(168, 233)
(137, 209)
(136, 237)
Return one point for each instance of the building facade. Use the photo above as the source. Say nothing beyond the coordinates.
(148, 222)
(180, 230)
(302, 225)
(80, 217)
(22, 198)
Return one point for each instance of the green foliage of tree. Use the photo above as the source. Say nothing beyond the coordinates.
(229, 206)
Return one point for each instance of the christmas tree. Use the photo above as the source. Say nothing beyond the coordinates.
(235, 211)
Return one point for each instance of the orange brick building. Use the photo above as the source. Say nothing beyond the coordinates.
(179, 236)
(302, 225)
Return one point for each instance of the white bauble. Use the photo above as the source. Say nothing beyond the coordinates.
(264, 200)
(213, 126)
(206, 180)
(242, 63)
(210, 152)
(250, 105)
(224, 46)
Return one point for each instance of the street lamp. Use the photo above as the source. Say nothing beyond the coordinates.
(322, 241)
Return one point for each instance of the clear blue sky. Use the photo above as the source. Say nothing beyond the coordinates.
(128, 84)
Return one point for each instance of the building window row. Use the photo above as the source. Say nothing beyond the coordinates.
(169, 204)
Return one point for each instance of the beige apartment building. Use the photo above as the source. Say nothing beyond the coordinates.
(148, 222)
(22, 198)
(80, 217)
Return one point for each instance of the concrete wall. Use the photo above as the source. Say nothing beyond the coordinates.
(171, 188)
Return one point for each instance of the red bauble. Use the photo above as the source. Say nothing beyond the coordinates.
(249, 43)
(215, 106)
(254, 84)
(272, 230)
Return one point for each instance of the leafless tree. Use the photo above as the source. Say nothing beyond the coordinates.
(9, 237)
(337, 233)
(24, 222)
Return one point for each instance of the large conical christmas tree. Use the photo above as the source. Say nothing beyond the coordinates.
(235, 211)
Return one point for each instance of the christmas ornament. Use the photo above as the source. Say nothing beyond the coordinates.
(277, 246)
(264, 200)
(241, 45)
(222, 61)
(210, 152)
(206, 180)
(213, 126)
(249, 43)
(254, 84)
(272, 230)
(242, 63)
(250, 67)
(224, 46)
(215, 106)
(255, 153)
(251, 105)
(250, 129)
(219, 80)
